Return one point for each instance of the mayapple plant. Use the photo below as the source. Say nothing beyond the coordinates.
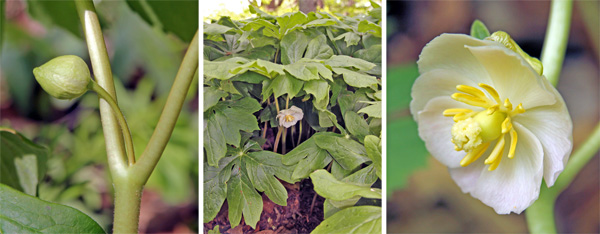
(68, 77)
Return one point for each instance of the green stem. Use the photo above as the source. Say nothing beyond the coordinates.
(115, 148)
(128, 195)
(557, 35)
(168, 118)
(120, 117)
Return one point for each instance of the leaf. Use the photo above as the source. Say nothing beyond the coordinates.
(249, 77)
(212, 95)
(329, 187)
(308, 157)
(347, 61)
(479, 30)
(215, 187)
(23, 163)
(221, 69)
(214, 141)
(22, 213)
(261, 167)
(180, 17)
(319, 23)
(301, 71)
(350, 38)
(318, 48)
(356, 79)
(372, 110)
(59, 13)
(360, 219)
(371, 54)
(368, 27)
(282, 84)
(320, 91)
(348, 153)
(356, 125)
(293, 46)
(373, 147)
(290, 22)
(215, 29)
(242, 198)
(260, 66)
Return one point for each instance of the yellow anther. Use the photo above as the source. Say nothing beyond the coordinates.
(463, 116)
(492, 109)
(506, 125)
(474, 154)
(491, 91)
(470, 100)
(513, 143)
(289, 118)
(472, 90)
(497, 152)
(507, 104)
(519, 109)
(455, 111)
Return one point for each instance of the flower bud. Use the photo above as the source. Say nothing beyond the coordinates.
(64, 77)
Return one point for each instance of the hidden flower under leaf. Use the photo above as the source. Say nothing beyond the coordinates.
(484, 110)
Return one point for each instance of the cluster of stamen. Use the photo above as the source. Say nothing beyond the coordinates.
(289, 118)
(473, 131)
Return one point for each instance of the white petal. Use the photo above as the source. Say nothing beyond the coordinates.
(448, 51)
(466, 177)
(515, 184)
(435, 83)
(435, 130)
(552, 125)
(513, 77)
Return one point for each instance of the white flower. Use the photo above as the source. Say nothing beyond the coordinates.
(289, 117)
(498, 125)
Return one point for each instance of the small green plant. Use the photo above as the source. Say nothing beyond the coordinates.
(68, 77)
(286, 97)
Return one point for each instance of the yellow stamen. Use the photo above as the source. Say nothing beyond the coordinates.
(474, 154)
(492, 109)
(455, 111)
(497, 152)
(507, 104)
(463, 116)
(506, 125)
(470, 100)
(491, 91)
(473, 91)
(497, 162)
(513, 143)
(289, 118)
(518, 110)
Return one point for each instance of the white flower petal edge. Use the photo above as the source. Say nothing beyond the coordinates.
(515, 184)
(552, 125)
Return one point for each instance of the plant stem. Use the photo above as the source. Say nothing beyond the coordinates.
(115, 148)
(120, 117)
(557, 35)
(128, 195)
(168, 118)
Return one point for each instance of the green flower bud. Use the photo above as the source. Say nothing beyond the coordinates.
(64, 77)
(509, 43)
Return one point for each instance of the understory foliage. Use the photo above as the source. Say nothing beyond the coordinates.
(329, 67)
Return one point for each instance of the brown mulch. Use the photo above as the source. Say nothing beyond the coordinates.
(293, 218)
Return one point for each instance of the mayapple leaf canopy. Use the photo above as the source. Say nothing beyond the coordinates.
(64, 77)
(486, 112)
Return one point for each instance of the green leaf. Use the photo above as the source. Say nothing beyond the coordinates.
(318, 48)
(293, 46)
(249, 77)
(242, 198)
(373, 146)
(320, 91)
(479, 30)
(348, 153)
(356, 79)
(260, 66)
(368, 27)
(280, 85)
(350, 38)
(319, 23)
(290, 22)
(347, 61)
(214, 141)
(215, 187)
(329, 187)
(180, 17)
(372, 110)
(308, 157)
(301, 71)
(23, 162)
(360, 219)
(212, 95)
(22, 213)
(215, 29)
(60, 13)
(261, 167)
(356, 125)
(221, 69)
(371, 54)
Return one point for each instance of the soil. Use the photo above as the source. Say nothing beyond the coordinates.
(296, 217)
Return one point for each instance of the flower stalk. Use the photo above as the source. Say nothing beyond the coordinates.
(557, 35)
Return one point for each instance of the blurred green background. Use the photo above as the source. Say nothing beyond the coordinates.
(145, 55)
(421, 195)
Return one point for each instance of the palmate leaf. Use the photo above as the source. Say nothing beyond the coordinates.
(359, 219)
(23, 163)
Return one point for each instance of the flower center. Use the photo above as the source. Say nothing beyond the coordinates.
(473, 131)
(288, 118)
